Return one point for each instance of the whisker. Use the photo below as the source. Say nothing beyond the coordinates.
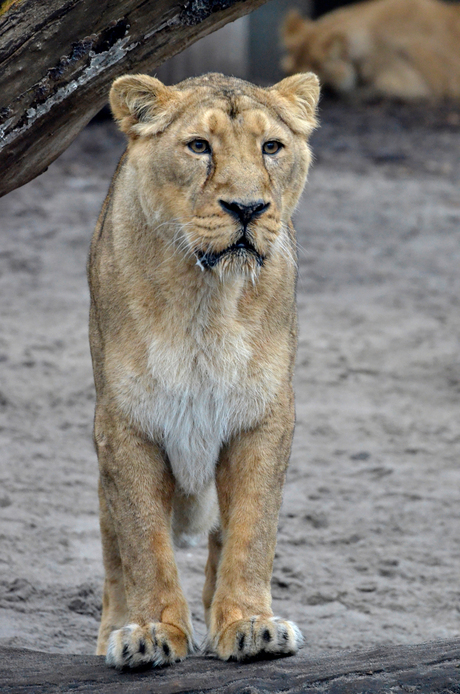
(178, 247)
(285, 246)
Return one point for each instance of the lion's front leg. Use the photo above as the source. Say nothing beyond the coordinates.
(137, 490)
(114, 607)
(250, 478)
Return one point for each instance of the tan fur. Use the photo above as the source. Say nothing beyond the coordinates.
(407, 49)
(193, 359)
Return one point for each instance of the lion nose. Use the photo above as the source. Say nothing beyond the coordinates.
(245, 212)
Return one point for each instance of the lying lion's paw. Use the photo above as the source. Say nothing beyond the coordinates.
(258, 637)
(156, 644)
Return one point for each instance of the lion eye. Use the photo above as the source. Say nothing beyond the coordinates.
(199, 146)
(271, 147)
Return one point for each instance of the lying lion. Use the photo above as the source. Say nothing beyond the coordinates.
(407, 49)
(192, 274)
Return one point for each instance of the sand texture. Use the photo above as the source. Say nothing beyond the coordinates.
(369, 543)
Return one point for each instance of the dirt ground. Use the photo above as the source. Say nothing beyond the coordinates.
(369, 542)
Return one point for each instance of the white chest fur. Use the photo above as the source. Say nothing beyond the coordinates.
(195, 395)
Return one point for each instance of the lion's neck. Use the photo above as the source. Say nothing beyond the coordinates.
(184, 299)
(199, 302)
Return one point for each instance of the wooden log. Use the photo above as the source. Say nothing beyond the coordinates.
(58, 58)
(322, 6)
(429, 668)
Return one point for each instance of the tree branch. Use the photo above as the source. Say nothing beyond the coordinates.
(430, 668)
(58, 58)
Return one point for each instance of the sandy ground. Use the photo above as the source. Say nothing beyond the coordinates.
(369, 543)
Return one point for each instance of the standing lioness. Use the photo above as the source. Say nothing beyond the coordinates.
(193, 334)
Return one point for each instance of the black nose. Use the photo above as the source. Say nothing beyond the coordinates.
(244, 212)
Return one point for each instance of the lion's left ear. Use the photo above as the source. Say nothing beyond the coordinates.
(300, 95)
(142, 105)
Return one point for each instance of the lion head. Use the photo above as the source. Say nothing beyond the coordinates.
(217, 164)
(321, 46)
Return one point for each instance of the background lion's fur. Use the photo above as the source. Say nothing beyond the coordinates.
(408, 49)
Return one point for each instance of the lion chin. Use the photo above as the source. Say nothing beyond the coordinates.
(240, 258)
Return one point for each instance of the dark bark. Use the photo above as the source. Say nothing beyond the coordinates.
(431, 668)
(58, 58)
(322, 6)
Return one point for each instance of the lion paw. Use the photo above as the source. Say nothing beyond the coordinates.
(258, 637)
(156, 644)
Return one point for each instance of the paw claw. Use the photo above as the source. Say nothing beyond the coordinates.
(157, 644)
(258, 637)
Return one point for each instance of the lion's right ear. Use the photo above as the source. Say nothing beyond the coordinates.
(142, 105)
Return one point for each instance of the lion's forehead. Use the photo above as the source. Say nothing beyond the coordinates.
(216, 121)
(240, 116)
(214, 83)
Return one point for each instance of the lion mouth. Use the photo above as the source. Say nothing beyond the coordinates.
(243, 247)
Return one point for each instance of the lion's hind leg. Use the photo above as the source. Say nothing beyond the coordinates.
(212, 566)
